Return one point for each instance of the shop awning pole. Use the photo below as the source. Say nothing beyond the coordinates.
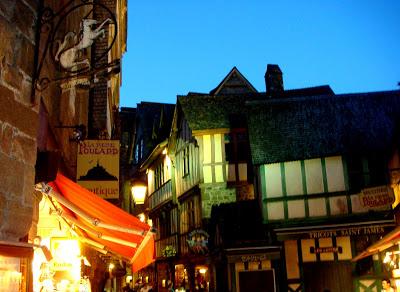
(101, 248)
(47, 190)
(96, 233)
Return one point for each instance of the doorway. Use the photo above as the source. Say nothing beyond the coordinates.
(257, 281)
(328, 276)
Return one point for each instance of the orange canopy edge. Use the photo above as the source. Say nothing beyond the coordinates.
(94, 206)
(384, 243)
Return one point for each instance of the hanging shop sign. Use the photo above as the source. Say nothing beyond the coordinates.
(198, 241)
(377, 197)
(98, 167)
(169, 251)
(66, 37)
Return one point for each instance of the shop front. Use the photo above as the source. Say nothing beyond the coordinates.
(15, 266)
(59, 265)
(386, 252)
(192, 275)
(252, 269)
(314, 254)
(84, 243)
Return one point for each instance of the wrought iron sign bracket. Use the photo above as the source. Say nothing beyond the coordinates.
(66, 54)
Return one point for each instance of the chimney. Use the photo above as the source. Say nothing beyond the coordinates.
(273, 79)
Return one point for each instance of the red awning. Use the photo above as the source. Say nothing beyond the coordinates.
(389, 240)
(102, 224)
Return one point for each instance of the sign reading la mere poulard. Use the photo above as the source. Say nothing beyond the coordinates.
(98, 167)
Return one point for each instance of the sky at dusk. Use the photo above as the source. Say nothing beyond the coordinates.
(179, 46)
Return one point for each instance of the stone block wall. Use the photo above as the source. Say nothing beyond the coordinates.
(214, 195)
(99, 99)
(18, 117)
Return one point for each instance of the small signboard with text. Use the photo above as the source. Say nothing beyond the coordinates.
(98, 167)
(377, 197)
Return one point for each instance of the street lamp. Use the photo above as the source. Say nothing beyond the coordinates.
(138, 190)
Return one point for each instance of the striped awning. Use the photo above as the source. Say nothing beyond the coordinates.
(101, 224)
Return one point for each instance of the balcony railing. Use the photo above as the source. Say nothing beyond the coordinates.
(167, 247)
(161, 195)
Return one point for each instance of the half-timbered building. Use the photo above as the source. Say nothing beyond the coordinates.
(322, 169)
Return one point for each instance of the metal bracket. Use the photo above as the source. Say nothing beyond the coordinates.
(67, 52)
(43, 188)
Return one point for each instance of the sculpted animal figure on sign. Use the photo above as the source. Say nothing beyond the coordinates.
(69, 56)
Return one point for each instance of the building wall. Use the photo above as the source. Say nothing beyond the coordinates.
(308, 189)
(213, 173)
(18, 118)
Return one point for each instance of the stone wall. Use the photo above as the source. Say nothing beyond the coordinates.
(214, 195)
(99, 99)
(18, 117)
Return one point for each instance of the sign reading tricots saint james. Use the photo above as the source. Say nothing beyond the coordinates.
(98, 167)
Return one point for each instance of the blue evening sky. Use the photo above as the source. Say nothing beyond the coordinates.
(177, 46)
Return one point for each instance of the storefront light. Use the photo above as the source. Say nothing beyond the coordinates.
(138, 191)
(396, 273)
(387, 258)
(142, 217)
(203, 271)
(111, 266)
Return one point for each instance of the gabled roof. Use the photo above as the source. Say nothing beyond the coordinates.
(226, 102)
(286, 129)
(234, 82)
(204, 112)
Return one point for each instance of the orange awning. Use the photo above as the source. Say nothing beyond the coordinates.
(101, 223)
(389, 240)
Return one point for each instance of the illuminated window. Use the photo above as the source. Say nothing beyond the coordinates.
(185, 161)
(159, 178)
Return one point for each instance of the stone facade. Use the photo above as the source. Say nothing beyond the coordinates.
(18, 118)
(214, 195)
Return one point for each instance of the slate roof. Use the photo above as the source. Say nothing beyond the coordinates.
(148, 117)
(286, 129)
(205, 111)
(225, 104)
(234, 82)
(211, 112)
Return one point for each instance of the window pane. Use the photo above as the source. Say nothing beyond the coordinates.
(314, 180)
(293, 176)
(334, 174)
(273, 180)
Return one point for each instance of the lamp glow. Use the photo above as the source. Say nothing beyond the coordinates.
(138, 191)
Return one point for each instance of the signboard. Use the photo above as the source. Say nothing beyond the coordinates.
(253, 258)
(98, 167)
(198, 241)
(377, 197)
(326, 249)
(352, 231)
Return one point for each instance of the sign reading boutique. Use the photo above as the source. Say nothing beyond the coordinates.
(98, 167)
